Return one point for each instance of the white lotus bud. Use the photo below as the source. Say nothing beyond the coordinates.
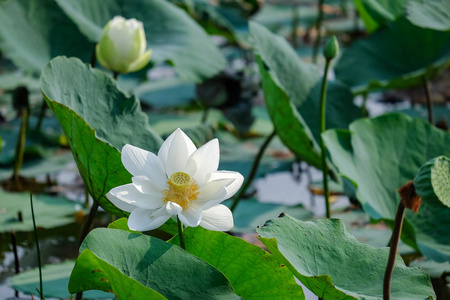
(122, 46)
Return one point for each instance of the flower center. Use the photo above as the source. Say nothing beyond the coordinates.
(182, 190)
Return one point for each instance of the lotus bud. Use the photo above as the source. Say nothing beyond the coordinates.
(331, 49)
(122, 46)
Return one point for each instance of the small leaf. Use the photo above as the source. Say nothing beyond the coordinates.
(55, 279)
(334, 265)
(49, 211)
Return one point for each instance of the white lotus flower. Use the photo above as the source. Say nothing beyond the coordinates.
(181, 180)
(122, 46)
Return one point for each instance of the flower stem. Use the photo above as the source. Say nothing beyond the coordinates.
(88, 222)
(318, 26)
(180, 233)
(115, 75)
(41, 116)
(323, 98)
(20, 147)
(41, 291)
(426, 87)
(205, 114)
(252, 174)
(398, 223)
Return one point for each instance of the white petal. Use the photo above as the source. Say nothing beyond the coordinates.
(191, 217)
(173, 208)
(217, 218)
(125, 206)
(211, 194)
(129, 195)
(204, 161)
(147, 219)
(235, 180)
(175, 152)
(141, 162)
(221, 185)
(144, 185)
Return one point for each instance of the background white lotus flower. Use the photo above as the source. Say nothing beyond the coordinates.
(181, 180)
(122, 46)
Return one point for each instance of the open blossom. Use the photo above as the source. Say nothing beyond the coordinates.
(181, 180)
(122, 46)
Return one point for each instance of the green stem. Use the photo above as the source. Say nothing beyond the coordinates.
(318, 26)
(180, 233)
(205, 114)
(93, 59)
(88, 222)
(322, 118)
(85, 231)
(252, 174)
(426, 87)
(20, 147)
(365, 112)
(41, 291)
(41, 116)
(396, 233)
(115, 75)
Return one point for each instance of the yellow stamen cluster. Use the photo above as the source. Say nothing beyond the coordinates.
(181, 190)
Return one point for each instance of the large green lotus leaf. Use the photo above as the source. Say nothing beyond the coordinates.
(395, 56)
(49, 211)
(334, 265)
(171, 34)
(292, 94)
(254, 273)
(289, 124)
(115, 116)
(430, 14)
(55, 279)
(98, 119)
(135, 266)
(376, 13)
(379, 156)
(35, 31)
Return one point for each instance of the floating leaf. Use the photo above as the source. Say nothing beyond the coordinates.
(98, 119)
(49, 211)
(379, 156)
(432, 183)
(254, 273)
(395, 56)
(31, 41)
(322, 247)
(135, 266)
(430, 14)
(171, 34)
(55, 279)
